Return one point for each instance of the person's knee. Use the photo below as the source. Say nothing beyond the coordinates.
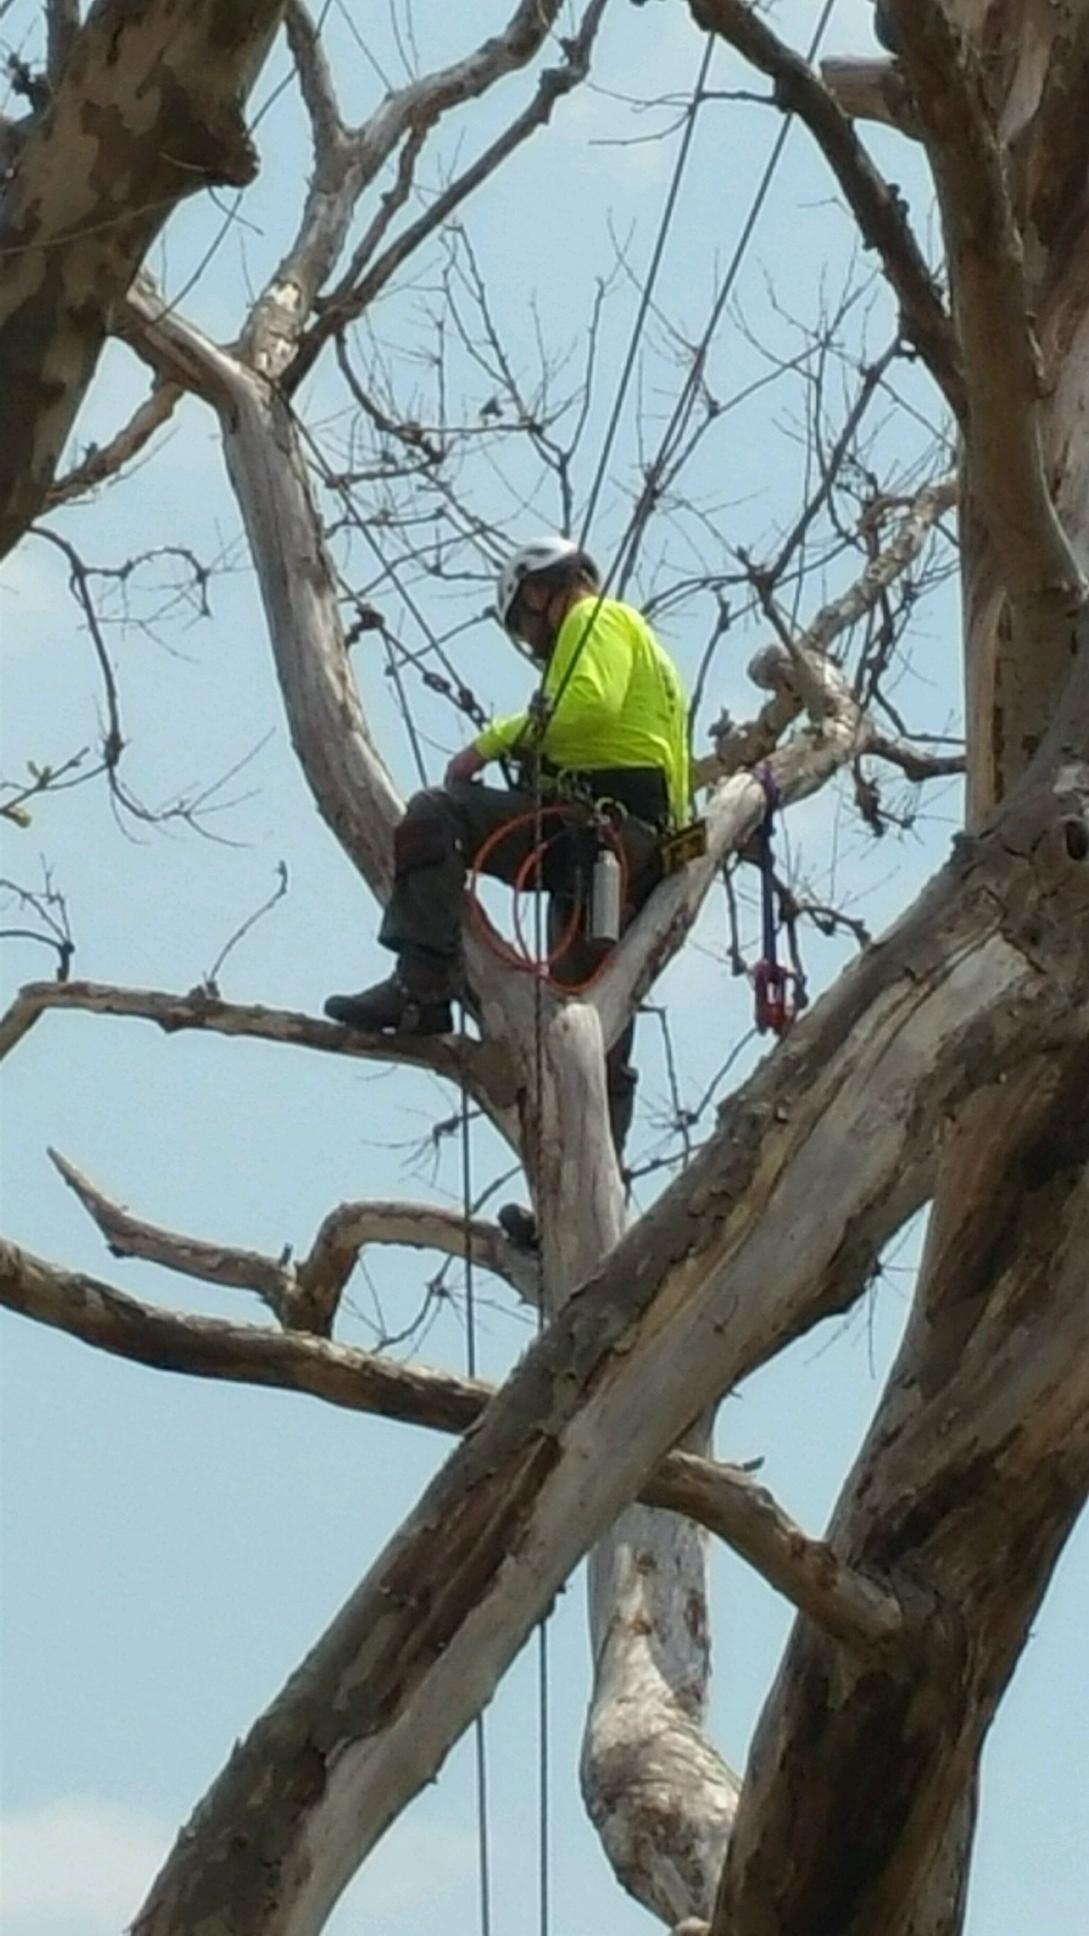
(426, 835)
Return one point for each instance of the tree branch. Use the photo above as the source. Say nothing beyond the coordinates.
(478, 1064)
(799, 677)
(845, 1604)
(345, 163)
(129, 1236)
(733, 813)
(358, 290)
(248, 1354)
(978, 1452)
(877, 208)
(147, 111)
(102, 463)
(349, 1228)
(62, 27)
(1003, 372)
(724, 1499)
(305, 1296)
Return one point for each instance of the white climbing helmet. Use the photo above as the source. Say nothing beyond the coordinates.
(539, 555)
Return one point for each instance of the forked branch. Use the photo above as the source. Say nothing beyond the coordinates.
(304, 1295)
(876, 206)
(725, 1499)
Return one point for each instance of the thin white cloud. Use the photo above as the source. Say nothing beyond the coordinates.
(77, 1860)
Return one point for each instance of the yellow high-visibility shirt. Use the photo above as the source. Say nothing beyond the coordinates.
(624, 704)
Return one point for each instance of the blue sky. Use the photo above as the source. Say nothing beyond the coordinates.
(169, 1548)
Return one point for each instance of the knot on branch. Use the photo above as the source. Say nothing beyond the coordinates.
(209, 140)
(771, 668)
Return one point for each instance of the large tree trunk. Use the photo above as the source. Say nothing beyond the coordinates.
(978, 1460)
(148, 109)
(661, 1798)
(968, 1485)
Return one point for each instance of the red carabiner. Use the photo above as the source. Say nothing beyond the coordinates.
(774, 1008)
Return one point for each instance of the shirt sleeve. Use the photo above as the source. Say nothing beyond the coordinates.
(501, 736)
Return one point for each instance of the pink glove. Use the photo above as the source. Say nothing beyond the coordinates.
(465, 765)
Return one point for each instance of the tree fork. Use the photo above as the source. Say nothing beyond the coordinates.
(994, 955)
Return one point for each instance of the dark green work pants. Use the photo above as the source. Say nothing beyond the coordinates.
(436, 843)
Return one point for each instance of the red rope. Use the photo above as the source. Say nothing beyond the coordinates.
(519, 954)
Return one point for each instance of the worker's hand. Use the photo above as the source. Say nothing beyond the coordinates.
(465, 765)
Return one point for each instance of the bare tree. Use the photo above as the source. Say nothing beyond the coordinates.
(971, 1011)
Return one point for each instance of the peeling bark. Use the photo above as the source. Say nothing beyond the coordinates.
(659, 1795)
(972, 1475)
(675, 1316)
(722, 1498)
(147, 110)
(977, 1461)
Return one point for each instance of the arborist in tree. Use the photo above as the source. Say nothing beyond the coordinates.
(608, 732)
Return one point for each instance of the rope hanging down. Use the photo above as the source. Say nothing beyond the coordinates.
(479, 1737)
(778, 991)
(542, 709)
(775, 1005)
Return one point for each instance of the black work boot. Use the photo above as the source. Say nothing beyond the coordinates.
(519, 1226)
(414, 1000)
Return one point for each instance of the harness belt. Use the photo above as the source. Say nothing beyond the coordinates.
(640, 790)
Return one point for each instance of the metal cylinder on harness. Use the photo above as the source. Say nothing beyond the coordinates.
(605, 896)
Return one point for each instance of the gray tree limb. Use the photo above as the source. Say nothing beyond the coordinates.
(876, 206)
(724, 1499)
(304, 1295)
(1003, 370)
(478, 1064)
(147, 110)
(347, 161)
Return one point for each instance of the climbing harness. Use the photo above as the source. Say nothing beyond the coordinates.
(778, 991)
(535, 957)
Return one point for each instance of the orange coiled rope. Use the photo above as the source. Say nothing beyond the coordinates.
(519, 954)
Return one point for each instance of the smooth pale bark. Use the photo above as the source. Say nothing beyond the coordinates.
(744, 1252)
(147, 110)
(347, 775)
(659, 1795)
